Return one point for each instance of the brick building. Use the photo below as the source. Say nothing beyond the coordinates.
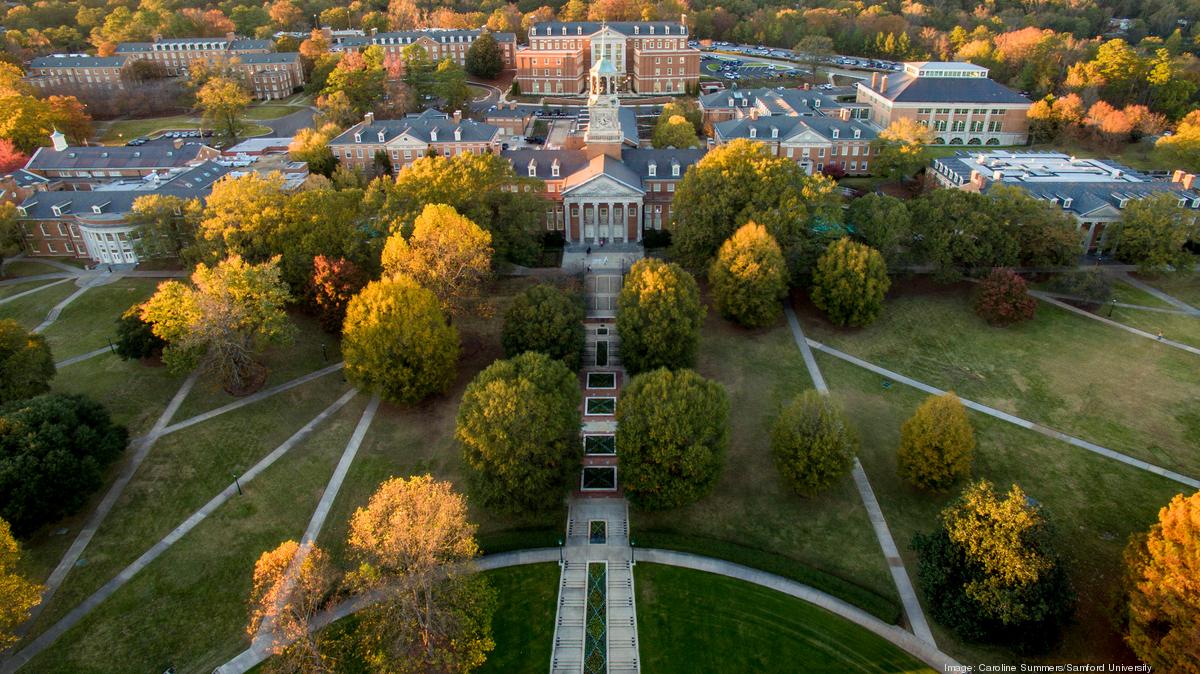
(414, 136)
(270, 76)
(82, 167)
(439, 43)
(176, 54)
(650, 57)
(76, 72)
(956, 100)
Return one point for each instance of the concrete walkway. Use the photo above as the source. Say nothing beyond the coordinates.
(83, 356)
(1108, 321)
(913, 613)
(1169, 299)
(45, 639)
(1012, 419)
(57, 309)
(1100, 303)
(31, 291)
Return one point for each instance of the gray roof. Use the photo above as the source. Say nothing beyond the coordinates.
(639, 161)
(246, 43)
(134, 47)
(791, 125)
(627, 120)
(117, 199)
(150, 156)
(270, 57)
(777, 101)
(904, 88)
(575, 168)
(24, 178)
(409, 36)
(640, 28)
(77, 61)
(419, 126)
(569, 162)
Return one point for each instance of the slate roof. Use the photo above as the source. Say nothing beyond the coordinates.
(77, 61)
(410, 36)
(421, 127)
(270, 57)
(575, 167)
(24, 178)
(627, 120)
(134, 47)
(792, 125)
(630, 28)
(778, 101)
(117, 199)
(606, 166)
(639, 161)
(569, 162)
(904, 88)
(150, 156)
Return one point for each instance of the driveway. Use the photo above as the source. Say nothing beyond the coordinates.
(288, 125)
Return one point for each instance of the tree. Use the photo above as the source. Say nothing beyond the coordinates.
(518, 426)
(958, 232)
(1045, 235)
(135, 337)
(167, 225)
(991, 573)
(17, 596)
(748, 278)
(813, 443)
(672, 431)
(813, 50)
(1163, 602)
(12, 235)
(674, 131)
(360, 77)
(450, 84)
(1003, 298)
(222, 102)
(899, 150)
(850, 282)
(292, 583)
(415, 546)
(11, 158)
(446, 253)
(231, 312)
(484, 59)
(548, 320)
(883, 223)
(335, 281)
(311, 146)
(418, 70)
(69, 116)
(1153, 232)
(53, 452)
(1183, 147)
(937, 444)
(396, 341)
(658, 316)
(26, 365)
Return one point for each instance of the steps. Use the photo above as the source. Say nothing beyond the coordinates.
(567, 654)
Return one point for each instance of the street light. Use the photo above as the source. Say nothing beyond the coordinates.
(236, 483)
(1112, 305)
(560, 552)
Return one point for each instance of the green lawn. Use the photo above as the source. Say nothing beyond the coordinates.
(1094, 502)
(89, 322)
(693, 622)
(18, 288)
(1063, 370)
(1182, 286)
(187, 609)
(1178, 327)
(127, 129)
(268, 111)
(523, 628)
(31, 310)
(750, 505)
(28, 268)
(134, 393)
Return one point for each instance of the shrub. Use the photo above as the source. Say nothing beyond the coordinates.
(547, 320)
(1090, 284)
(396, 341)
(813, 443)
(937, 444)
(518, 426)
(658, 316)
(53, 451)
(334, 282)
(672, 432)
(850, 282)
(749, 277)
(1003, 298)
(26, 364)
(135, 337)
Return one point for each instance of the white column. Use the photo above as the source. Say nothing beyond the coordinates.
(609, 218)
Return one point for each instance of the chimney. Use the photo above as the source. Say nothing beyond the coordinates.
(875, 81)
(178, 143)
(458, 116)
(373, 31)
(883, 84)
(1177, 176)
(1188, 181)
(369, 119)
(997, 175)
(976, 179)
(157, 37)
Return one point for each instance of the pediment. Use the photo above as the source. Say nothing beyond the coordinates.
(603, 186)
(806, 137)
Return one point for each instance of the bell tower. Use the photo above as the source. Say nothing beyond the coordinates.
(604, 127)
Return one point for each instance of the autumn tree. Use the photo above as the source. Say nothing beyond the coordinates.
(18, 596)
(659, 314)
(1182, 148)
(518, 426)
(229, 314)
(958, 232)
(813, 443)
(415, 547)
(135, 337)
(166, 225)
(937, 444)
(335, 281)
(311, 146)
(397, 343)
(446, 253)
(1044, 234)
(674, 131)
(812, 51)
(484, 59)
(991, 573)
(12, 234)
(1152, 233)
(222, 102)
(11, 158)
(882, 222)
(899, 150)
(54, 450)
(360, 77)
(1003, 298)
(548, 320)
(748, 278)
(850, 282)
(292, 584)
(1162, 617)
(672, 431)
(26, 365)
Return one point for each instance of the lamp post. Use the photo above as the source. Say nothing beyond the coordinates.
(560, 552)
(236, 483)
(1112, 305)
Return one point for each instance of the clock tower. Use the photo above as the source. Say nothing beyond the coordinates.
(604, 126)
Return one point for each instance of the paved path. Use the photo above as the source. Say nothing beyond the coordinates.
(83, 356)
(1140, 333)
(54, 276)
(33, 290)
(904, 587)
(84, 286)
(1012, 419)
(45, 639)
(1123, 305)
(1169, 299)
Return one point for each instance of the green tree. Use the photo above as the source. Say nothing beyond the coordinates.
(674, 131)
(957, 233)
(899, 150)
(748, 278)
(1153, 232)
(12, 239)
(135, 337)
(937, 444)
(812, 51)
(26, 365)
(396, 341)
(446, 253)
(18, 596)
(484, 59)
(1170, 92)
(991, 573)
(450, 84)
(548, 320)
(672, 431)
(850, 282)
(685, 108)
(1046, 236)
(361, 78)
(418, 70)
(1163, 602)
(53, 453)
(518, 426)
(167, 225)
(659, 314)
(222, 102)
(883, 223)
(813, 443)
(230, 313)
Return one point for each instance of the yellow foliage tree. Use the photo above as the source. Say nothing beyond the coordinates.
(850, 282)
(937, 444)
(291, 585)
(749, 277)
(447, 253)
(17, 595)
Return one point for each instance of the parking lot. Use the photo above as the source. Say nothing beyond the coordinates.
(731, 68)
(170, 136)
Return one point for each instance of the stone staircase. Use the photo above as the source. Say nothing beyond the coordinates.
(567, 655)
(601, 289)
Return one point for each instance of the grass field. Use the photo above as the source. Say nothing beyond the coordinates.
(17, 268)
(523, 628)
(1070, 373)
(694, 622)
(88, 322)
(18, 288)
(1183, 286)
(31, 310)
(750, 505)
(268, 111)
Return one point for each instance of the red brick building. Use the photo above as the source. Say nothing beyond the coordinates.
(415, 136)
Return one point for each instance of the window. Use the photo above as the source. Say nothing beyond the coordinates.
(994, 126)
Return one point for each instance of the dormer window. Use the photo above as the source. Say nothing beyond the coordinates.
(753, 132)
(774, 132)
(433, 135)
(858, 133)
(99, 208)
(834, 134)
(675, 168)
(24, 210)
(637, 30)
(382, 136)
(1067, 202)
(652, 169)
(357, 137)
(458, 133)
(817, 103)
(554, 169)
(59, 209)
(532, 168)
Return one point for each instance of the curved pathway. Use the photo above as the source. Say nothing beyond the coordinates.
(1140, 333)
